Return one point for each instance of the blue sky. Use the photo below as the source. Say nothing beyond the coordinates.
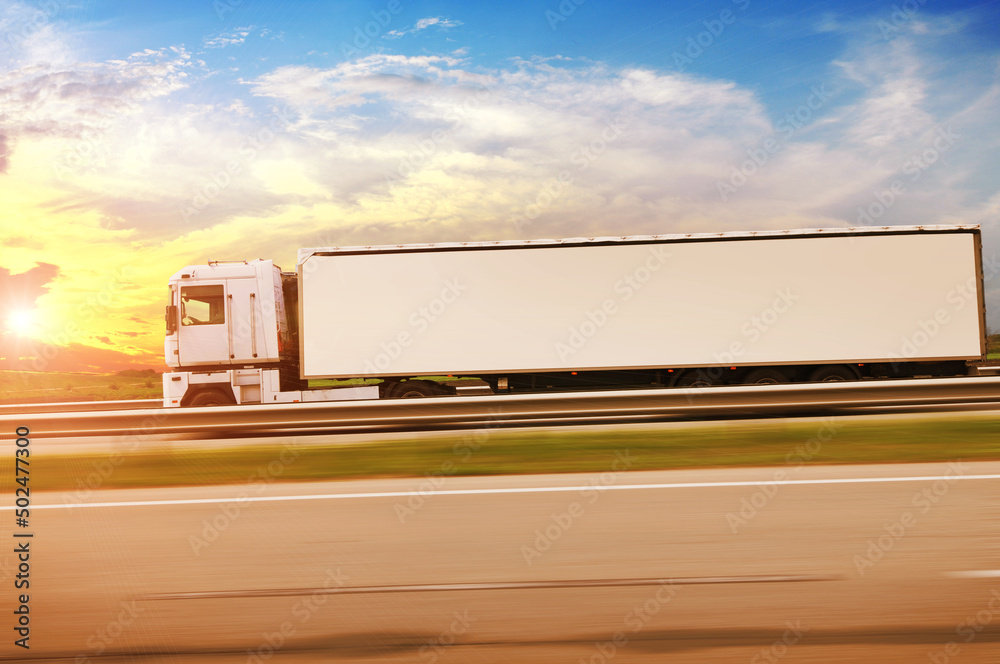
(223, 129)
(777, 49)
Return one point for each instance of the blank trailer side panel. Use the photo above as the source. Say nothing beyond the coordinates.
(642, 302)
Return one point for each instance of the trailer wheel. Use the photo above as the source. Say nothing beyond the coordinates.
(414, 389)
(832, 374)
(765, 377)
(691, 379)
(211, 398)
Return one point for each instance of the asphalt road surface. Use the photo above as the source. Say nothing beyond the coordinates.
(833, 564)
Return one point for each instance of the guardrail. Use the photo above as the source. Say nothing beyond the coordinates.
(519, 410)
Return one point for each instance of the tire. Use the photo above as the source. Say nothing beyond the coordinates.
(211, 398)
(833, 373)
(693, 379)
(415, 389)
(765, 376)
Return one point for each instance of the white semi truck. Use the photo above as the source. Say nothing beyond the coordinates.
(583, 313)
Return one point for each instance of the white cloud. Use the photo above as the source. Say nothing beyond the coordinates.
(30, 34)
(231, 38)
(423, 24)
(472, 152)
(896, 91)
(81, 102)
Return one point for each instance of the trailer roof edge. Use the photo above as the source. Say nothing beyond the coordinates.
(305, 253)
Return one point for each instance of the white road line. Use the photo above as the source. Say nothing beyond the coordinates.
(549, 489)
(497, 585)
(976, 574)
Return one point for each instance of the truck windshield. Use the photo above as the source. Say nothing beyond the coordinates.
(202, 305)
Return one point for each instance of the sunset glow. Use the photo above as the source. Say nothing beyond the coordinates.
(22, 323)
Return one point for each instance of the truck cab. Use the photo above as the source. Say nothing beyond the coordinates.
(222, 318)
(222, 315)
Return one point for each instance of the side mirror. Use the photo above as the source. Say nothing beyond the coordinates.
(171, 318)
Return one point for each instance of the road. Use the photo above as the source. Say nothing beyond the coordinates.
(848, 563)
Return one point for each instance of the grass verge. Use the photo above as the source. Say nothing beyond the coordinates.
(53, 387)
(499, 452)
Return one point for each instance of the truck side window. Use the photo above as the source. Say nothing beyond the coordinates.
(202, 305)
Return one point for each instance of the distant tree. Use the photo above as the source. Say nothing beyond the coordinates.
(136, 373)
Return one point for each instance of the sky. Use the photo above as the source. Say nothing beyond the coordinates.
(139, 138)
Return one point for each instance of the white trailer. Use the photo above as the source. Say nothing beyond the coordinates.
(639, 311)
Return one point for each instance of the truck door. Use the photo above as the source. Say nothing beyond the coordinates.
(246, 321)
(203, 334)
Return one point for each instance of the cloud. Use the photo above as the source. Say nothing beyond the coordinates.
(457, 133)
(894, 107)
(231, 38)
(425, 147)
(20, 291)
(4, 153)
(423, 24)
(83, 101)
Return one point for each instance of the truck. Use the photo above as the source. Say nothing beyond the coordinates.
(677, 310)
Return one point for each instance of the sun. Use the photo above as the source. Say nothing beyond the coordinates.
(22, 322)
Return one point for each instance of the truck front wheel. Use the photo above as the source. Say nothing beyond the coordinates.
(211, 398)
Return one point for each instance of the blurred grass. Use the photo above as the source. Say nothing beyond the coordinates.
(497, 452)
(993, 347)
(48, 386)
